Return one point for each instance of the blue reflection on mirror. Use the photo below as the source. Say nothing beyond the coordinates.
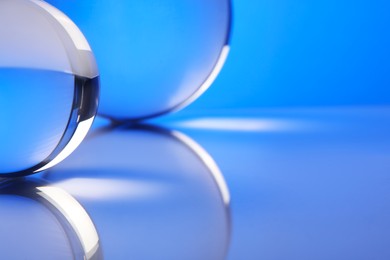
(149, 188)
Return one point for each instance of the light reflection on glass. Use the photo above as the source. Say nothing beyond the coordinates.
(78, 136)
(208, 81)
(209, 161)
(75, 235)
(153, 193)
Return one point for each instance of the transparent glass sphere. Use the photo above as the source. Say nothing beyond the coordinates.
(154, 56)
(49, 87)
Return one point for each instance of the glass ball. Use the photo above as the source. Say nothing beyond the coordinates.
(49, 87)
(154, 56)
(163, 184)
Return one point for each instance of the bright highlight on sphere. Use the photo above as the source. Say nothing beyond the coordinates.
(49, 87)
(154, 56)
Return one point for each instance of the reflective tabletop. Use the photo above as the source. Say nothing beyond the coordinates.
(251, 184)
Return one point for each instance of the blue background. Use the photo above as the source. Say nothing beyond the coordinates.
(305, 53)
(305, 183)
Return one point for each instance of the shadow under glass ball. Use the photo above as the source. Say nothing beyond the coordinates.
(154, 56)
(49, 87)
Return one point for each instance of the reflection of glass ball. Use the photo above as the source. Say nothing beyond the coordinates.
(149, 187)
(56, 226)
(155, 56)
(49, 87)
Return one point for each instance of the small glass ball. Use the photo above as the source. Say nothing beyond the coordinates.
(49, 87)
(154, 56)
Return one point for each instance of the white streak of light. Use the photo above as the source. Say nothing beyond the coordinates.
(78, 137)
(239, 124)
(210, 163)
(75, 214)
(106, 189)
(211, 78)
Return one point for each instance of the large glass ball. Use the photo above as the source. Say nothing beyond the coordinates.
(154, 56)
(49, 87)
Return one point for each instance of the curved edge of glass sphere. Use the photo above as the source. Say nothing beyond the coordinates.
(80, 63)
(77, 225)
(217, 176)
(83, 113)
(224, 52)
(191, 145)
(198, 151)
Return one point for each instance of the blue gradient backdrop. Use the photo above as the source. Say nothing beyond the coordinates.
(304, 53)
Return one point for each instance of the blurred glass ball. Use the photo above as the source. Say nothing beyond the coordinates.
(154, 56)
(49, 87)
